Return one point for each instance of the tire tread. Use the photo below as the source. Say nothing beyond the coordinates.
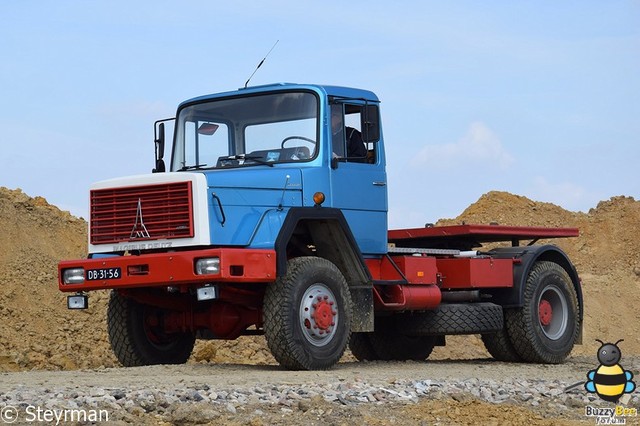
(456, 318)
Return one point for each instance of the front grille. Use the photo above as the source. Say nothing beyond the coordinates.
(135, 213)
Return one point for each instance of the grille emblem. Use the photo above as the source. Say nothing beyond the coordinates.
(139, 229)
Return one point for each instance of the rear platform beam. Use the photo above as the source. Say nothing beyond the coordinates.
(465, 237)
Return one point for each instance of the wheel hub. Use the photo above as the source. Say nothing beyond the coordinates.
(318, 314)
(553, 315)
(545, 312)
(323, 314)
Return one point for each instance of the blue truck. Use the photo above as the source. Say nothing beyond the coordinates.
(269, 217)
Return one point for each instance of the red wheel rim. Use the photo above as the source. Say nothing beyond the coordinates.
(545, 312)
(323, 315)
(318, 314)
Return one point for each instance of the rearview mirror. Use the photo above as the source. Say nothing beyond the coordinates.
(207, 129)
(158, 139)
(160, 142)
(370, 124)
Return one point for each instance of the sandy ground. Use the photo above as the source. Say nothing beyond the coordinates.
(245, 375)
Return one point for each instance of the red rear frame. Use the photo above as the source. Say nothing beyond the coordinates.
(481, 233)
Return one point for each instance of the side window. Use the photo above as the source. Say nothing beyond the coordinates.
(353, 118)
(205, 142)
(348, 143)
(356, 148)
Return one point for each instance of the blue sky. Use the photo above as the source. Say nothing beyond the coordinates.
(538, 98)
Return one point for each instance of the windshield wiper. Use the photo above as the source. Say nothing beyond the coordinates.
(259, 160)
(255, 158)
(194, 167)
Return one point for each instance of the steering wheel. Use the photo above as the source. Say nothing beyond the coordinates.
(285, 140)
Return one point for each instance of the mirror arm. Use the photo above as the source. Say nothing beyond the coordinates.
(158, 139)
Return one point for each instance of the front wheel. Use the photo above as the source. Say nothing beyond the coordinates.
(307, 315)
(137, 335)
(545, 328)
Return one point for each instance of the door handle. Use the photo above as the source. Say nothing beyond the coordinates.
(216, 198)
(379, 183)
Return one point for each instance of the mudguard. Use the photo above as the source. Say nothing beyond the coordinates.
(525, 257)
(334, 241)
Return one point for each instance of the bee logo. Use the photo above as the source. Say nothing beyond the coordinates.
(610, 381)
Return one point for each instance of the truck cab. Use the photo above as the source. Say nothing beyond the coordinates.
(271, 218)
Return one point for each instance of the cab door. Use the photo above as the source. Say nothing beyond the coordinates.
(358, 177)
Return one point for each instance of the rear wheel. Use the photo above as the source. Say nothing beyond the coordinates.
(307, 315)
(389, 344)
(137, 335)
(546, 327)
(500, 347)
(361, 347)
(402, 348)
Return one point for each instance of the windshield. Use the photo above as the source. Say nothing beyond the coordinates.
(246, 131)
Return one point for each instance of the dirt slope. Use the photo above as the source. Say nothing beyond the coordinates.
(38, 332)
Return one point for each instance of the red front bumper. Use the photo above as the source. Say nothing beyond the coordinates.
(173, 269)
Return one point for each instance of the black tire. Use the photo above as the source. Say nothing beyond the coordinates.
(545, 329)
(500, 347)
(307, 315)
(135, 342)
(455, 318)
(361, 348)
(389, 344)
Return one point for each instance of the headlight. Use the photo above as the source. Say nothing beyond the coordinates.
(208, 266)
(73, 276)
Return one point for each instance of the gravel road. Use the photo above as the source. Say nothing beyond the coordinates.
(435, 392)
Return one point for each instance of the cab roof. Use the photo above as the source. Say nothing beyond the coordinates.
(326, 90)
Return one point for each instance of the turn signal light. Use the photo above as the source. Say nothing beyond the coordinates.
(318, 198)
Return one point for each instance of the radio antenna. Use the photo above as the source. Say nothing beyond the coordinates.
(260, 64)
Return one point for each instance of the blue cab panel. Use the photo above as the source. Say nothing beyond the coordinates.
(266, 149)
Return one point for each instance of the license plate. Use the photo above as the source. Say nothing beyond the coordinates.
(104, 274)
